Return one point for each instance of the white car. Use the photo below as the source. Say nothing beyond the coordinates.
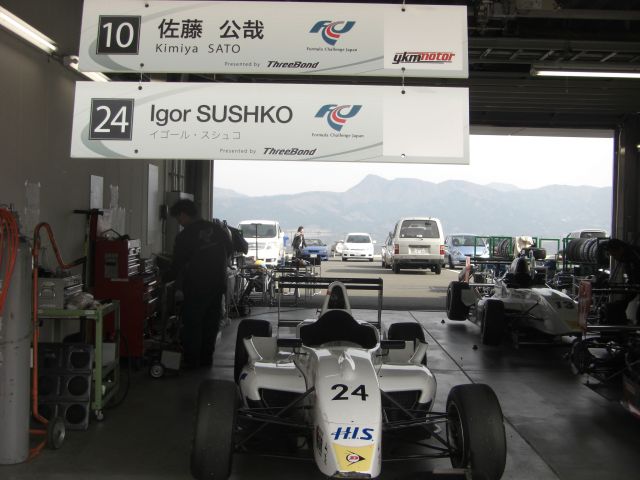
(357, 246)
(265, 239)
(335, 394)
(518, 304)
(588, 233)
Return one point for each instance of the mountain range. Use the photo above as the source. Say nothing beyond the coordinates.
(375, 204)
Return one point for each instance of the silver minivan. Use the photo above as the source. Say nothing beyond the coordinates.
(418, 242)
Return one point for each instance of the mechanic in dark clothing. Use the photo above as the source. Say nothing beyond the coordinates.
(627, 257)
(200, 257)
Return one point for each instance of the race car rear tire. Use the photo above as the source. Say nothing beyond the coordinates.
(492, 322)
(456, 309)
(407, 331)
(247, 328)
(475, 431)
(212, 449)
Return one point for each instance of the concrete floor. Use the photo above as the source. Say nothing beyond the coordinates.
(557, 428)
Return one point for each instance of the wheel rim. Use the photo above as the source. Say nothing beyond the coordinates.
(58, 433)
(156, 371)
(455, 437)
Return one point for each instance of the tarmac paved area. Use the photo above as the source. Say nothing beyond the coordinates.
(407, 290)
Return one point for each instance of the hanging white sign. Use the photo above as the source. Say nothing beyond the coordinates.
(274, 38)
(347, 123)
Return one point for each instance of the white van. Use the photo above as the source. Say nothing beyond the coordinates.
(265, 239)
(357, 245)
(418, 242)
(588, 233)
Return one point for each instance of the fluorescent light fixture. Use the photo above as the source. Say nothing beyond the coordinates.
(96, 76)
(71, 61)
(568, 70)
(26, 31)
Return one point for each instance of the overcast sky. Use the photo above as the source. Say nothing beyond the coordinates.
(526, 162)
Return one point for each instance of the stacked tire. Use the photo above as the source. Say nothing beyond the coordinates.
(503, 248)
(587, 250)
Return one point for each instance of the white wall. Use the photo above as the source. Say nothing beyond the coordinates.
(36, 107)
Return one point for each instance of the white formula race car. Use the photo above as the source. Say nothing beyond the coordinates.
(335, 394)
(518, 304)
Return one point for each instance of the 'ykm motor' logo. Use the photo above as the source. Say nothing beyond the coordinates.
(331, 31)
(337, 115)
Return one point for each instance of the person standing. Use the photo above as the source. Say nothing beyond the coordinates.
(298, 242)
(626, 269)
(199, 266)
(627, 256)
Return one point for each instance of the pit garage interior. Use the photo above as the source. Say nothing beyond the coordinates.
(556, 427)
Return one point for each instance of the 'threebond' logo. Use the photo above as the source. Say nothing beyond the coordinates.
(337, 115)
(423, 57)
(331, 31)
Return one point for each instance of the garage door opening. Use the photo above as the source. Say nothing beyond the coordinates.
(541, 186)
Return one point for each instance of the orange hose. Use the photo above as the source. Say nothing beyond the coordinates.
(9, 225)
(35, 451)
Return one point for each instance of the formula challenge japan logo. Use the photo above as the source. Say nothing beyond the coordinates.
(331, 31)
(337, 115)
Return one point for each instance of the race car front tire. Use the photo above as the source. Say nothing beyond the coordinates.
(212, 449)
(247, 328)
(492, 322)
(475, 431)
(456, 309)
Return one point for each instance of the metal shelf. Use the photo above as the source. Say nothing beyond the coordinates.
(103, 388)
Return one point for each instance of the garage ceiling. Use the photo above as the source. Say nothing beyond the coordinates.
(508, 37)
